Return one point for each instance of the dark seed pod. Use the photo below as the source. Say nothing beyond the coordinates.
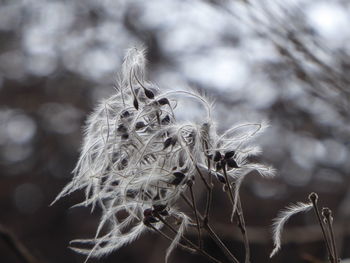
(217, 156)
(167, 142)
(232, 163)
(149, 94)
(229, 154)
(140, 125)
(163, 101)
(166, 120)
(159, 208)
(122, 129)
(136, 104)
(221, 178)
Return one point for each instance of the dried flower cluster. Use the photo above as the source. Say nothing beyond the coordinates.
(137, 161)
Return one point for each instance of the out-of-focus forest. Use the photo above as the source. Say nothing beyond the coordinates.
(283, 61)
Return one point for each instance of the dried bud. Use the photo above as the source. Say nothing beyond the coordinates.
(229, 154)
(313, 197)
(149, 94)
(217, 156)
(232, 163)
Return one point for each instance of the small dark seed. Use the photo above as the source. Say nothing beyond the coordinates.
(140, 125)
(125, 136)
(147, 212)
(149, 94)
(122, 128)
(136, 104)
(164, 213)
(159, 208)
(217, 156)
(221, 178)
(166, 120)
(189, 183)
(232, 163)
(167, 143)
(152, 219)
(179, 175)
(176, 181)
(218, 166)
(125, 114)
(229, 154)
(163, 101)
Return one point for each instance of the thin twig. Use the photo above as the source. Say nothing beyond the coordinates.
(200, 241)
(198, 249)
(313, 199)
(20, 250)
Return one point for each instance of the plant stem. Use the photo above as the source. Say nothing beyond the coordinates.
(240, 218)
(218, 241)
(213, 235)
(326, 238)
(170, 239)
(198, 249)
(200, 241)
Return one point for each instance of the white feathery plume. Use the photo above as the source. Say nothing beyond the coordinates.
(282, 218)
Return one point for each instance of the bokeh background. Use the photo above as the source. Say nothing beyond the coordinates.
(285, 61)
